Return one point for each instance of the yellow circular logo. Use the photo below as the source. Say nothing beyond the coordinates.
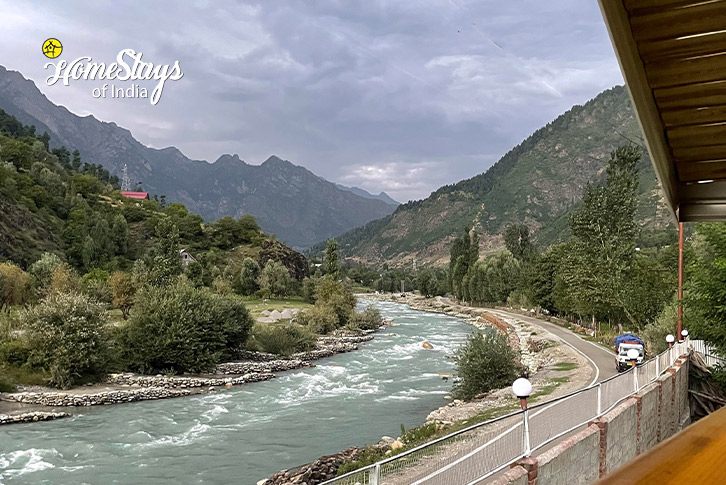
(52, 48)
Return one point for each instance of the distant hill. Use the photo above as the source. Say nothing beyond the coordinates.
(364, 193)
(536, 183)
(289, 201)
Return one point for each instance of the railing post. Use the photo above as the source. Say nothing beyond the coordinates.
(375, 475)
(527, 447)
(599, 399)
(657, 366)
(635, 377)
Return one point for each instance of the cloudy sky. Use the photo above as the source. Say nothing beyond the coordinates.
(401, 96)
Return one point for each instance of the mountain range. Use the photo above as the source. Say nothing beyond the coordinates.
(537, 183)
(287, 200)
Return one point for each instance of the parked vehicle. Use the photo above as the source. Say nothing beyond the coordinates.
(624, 343)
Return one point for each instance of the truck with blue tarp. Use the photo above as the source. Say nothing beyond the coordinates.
(624, 359)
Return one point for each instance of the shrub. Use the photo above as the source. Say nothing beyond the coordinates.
(182, 329)
(320, 319)
(66, 337)
(14, 352)
(64, 279)
(281, 339)
(486, 362)
(337, 297)
(43, 269)
(370, 319)
(95, 285)
(16, 286)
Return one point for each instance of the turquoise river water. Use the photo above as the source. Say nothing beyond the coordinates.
(242, 434)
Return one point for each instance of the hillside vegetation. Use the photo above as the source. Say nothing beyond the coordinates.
(537, 183)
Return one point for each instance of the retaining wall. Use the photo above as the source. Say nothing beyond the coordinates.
(658, 411)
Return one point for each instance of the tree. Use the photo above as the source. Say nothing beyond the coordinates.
(66, 337)
(427, 283)
(275, 279)
(600, 255)
(330, 264)
(166, 263)
(123, 289)
(706, 290)
(516, 240)
(485, 362)
(76, 163)
(247, 281)
(177, 328)
(43, 269)
(16, 286)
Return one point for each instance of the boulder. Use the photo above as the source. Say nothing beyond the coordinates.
(397, 444)
(265, 313)
(275, 315)
(286, 314)
(427, 345)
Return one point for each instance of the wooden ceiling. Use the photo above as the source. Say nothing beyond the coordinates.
(673, 57)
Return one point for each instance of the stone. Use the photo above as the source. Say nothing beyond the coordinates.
(397, 444)
(275, 315)
(427, 345)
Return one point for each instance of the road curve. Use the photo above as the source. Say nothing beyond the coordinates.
(602, 360)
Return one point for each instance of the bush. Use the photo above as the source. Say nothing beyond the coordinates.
(182, 329)
(370, 319)
(336, 296)
(66, 336)
(64, 279)
(95, 285)
(486, 362)
(281, 339)
(16, 286)
(14, 352)
(43, 269)
(320, 319)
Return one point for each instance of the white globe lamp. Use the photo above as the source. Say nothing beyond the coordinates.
(522, 388)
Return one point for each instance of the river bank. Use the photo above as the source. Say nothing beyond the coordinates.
(240, 434)
(37, 403)
(555, 370)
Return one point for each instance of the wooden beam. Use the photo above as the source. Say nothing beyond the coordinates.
(694, 116)
(694, 172)
(626, 50)
(687, 71)
(691, 96)
(696, 136)
(681, 48)
(669, 23)
(701, 153)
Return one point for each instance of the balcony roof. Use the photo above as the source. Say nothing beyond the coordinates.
(673, 57)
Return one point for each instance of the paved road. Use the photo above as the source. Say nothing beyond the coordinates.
(602, 360)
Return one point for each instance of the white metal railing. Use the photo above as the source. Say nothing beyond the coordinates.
(710, 354)
(479, 451)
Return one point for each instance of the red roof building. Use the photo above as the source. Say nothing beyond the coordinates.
(135, 195)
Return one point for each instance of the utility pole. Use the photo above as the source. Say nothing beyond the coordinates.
(125, 182)
(680, 279)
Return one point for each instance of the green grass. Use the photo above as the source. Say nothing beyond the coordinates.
(564, 366)
(13, 376)
(257, 306)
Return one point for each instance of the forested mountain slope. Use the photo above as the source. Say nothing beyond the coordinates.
(536, 183)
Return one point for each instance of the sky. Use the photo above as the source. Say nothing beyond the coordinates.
(399, 96)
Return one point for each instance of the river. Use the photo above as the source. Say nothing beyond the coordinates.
(246, 433)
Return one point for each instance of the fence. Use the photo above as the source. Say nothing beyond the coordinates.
(479, 451)
(710, 355)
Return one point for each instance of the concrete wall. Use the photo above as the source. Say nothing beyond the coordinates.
(576, 460)
(648, 402)
(667, 408)
(657, 412)
(619, 427)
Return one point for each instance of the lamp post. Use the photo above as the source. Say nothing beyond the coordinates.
(684, 334)
(670, 339)
(522, 388)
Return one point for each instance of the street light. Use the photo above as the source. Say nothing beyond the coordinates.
(684, 334)
(633, 356)
(522, 388)
(670, 339)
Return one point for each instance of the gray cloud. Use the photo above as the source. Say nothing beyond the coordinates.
(386, 95)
